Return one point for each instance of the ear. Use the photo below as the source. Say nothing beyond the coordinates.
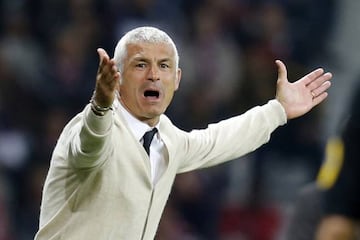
(178, 78)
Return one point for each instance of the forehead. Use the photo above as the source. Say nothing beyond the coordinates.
(150, 50)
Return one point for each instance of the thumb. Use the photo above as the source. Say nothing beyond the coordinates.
(282, 72)
(102, 55)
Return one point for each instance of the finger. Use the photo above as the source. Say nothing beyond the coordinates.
(320, 89)
(319, 81)
(103, 58)
(113, 72)
(113, 66)
(110, 71)
(310, 77)
(108, 76)
(282, 72)
(102, 53)
(107, 68)
(317, 100)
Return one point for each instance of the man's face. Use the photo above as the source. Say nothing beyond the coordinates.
(149, 80)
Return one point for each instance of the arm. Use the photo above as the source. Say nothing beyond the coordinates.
(301, 96)
(240, 135)
(107, 79)
(88, 145)
(233, 137)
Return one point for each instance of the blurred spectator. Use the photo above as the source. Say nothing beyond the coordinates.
(21, 51)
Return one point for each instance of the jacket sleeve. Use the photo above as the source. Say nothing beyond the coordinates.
(88, 137)
(232, 138)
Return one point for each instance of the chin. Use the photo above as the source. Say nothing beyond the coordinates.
(154, 114)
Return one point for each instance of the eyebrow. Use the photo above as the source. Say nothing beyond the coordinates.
(144, 59)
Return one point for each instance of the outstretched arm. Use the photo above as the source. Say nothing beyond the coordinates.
(92, 136)
(301, 96)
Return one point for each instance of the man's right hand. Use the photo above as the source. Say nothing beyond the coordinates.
(107, 80)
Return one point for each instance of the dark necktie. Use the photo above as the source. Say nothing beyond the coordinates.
(148, 137)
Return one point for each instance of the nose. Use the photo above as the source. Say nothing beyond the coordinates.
(153, 74)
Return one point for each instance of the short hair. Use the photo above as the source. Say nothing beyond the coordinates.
(142, 35)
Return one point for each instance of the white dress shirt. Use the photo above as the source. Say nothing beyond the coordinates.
(158, 154)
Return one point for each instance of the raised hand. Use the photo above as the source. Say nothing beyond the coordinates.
(301, 96)
(107, 80)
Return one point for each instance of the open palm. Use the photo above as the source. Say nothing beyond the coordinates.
(301, 96)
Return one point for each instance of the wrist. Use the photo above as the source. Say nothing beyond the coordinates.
(98, 109)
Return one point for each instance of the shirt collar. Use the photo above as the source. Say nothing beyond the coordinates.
(138, 128)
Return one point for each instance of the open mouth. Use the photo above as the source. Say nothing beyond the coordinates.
(151, 94)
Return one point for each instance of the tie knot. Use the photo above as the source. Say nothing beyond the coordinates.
(147, 138)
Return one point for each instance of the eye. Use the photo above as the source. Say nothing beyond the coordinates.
(141, 65)
(164, 65)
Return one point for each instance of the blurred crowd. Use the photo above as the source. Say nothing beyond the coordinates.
(48, 64)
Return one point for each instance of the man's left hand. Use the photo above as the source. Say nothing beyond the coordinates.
(301, 96)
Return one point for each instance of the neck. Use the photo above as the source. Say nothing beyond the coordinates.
(149, 121)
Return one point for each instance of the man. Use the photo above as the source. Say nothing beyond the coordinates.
(102, 184)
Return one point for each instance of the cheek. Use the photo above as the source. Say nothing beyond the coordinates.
(170, 93)
(128, 86)
(127, 93)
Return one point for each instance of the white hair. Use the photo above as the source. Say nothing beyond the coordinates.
(142, 35)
